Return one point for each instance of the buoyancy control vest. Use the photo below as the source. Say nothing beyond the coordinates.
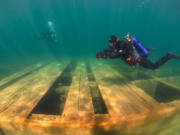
(143, 52)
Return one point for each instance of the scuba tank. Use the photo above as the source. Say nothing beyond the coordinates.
(139, 46)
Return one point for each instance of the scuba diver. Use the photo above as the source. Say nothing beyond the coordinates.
(132, 52)
(50, 34)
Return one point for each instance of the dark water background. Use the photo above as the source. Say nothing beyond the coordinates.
(83, 27)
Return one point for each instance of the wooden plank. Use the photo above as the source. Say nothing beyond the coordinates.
(78, 108)
(86, 110)
(31, 94)
(70, 112)
(122, 99)
(173, 80)
(98, 101)
(53, 101)
(13, 91)
(107, 91)
(22, 72)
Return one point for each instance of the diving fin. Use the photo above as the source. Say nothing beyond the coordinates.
(173, 55)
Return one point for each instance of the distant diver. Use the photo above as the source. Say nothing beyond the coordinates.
(132, 52)
(50, 34)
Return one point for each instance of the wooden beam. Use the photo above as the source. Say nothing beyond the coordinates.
(37, 85)
(122, 99)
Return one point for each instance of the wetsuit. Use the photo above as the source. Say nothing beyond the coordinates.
(124, 50)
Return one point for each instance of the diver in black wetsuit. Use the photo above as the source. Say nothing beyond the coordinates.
(49, 34)
(125, 50)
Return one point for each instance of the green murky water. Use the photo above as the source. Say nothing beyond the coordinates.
(83, 28)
